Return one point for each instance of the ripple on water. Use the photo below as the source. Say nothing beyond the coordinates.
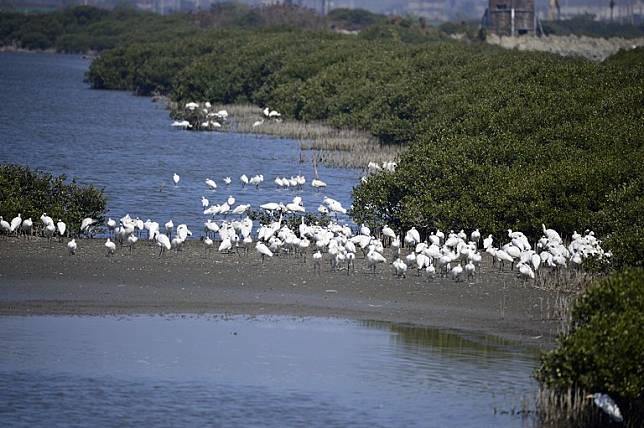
(125, 145)
(246, 371)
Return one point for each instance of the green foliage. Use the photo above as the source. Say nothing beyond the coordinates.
(354, 19)
(585, 25)
(604, 351)
(32, 193)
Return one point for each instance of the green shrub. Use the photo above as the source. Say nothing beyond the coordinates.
(604, 351)
(32, 193)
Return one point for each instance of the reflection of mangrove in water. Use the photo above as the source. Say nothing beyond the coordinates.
(448, 344)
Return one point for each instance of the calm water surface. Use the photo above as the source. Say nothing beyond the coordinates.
(278, 371)
(50, 119)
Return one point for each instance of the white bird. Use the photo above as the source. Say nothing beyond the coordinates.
(227, 180)
(475, 236)
(49, 231)
(5, 227)
(226, 245)
(15, 223)
(487, 242)
(456, 272)
(163, 241)
(28, 224)
(525, 271)
(211, 183)
(257, 123)
(46, 219)
(604, 402)
(131, 240)
(204, 202)
(241, 209)
(551, 234)
(244, 180)
(181, 124)
(168, 227)
(470, 269)
(86, 223)
(176, 178)
(400, 267)
(318, 184)
(230, 201)
(71, 247)
(111, 247)
(208, 244)
(263, 250)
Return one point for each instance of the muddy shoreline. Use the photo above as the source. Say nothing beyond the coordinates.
(41, 278)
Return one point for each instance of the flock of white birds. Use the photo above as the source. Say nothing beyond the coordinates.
(457, 255)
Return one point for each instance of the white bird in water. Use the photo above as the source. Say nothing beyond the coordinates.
(211, 183)
(318, 184)
(230, 201)
(244, 180)
(204, 202)
(176, 178)
(241, 209)
(71, 247)
(227, 181)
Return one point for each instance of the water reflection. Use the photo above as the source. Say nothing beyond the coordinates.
(310, 369)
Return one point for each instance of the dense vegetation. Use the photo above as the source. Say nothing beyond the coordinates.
(85, 28)
(32, 193)
(585, 25)
(605, 350)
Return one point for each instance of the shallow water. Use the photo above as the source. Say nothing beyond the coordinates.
(259, 371)
(50, 119)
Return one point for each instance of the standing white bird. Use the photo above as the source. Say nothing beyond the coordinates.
(86, 223)
(111, 247)
(244, 180)
(163, 241)
(456, 272)
(604, 402)
(487, 242)
(475, 236)
(168, 227)
(207, 244)
(176, 178)
(230, 201)
(27, 226)
(5, 227)
(204, 202)
(131, 240)
(227, 181)
(71, 247)
(263, 250)
(15, 223)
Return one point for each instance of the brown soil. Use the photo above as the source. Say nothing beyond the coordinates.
(37, 277)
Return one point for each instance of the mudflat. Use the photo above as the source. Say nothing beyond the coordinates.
(41, 277)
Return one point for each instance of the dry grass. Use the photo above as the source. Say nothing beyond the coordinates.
(566, 409)
(330, 146)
